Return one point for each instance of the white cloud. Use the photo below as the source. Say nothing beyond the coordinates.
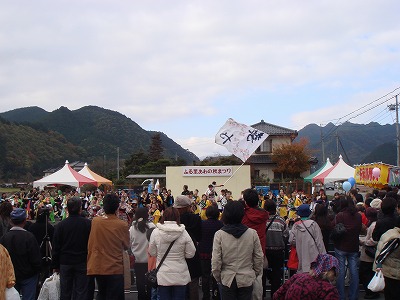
(207, 60)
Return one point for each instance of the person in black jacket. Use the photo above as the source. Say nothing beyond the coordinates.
(192, 224)
(388, 220)
(70, 253)
(25, 255)
(43, 232)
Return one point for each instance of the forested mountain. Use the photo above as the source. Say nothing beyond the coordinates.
(357, 143)
(90, 134)
(32, 140)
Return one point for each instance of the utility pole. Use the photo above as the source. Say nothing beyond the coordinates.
(396, 108)
(118, 163)
(323, 146)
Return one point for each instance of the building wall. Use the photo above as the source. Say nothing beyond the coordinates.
(240, 180)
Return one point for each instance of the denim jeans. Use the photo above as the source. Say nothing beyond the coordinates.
(27, 287)
(352, 264)
(174, 292)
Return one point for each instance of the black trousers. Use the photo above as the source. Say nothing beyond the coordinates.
(365, 274)
(111, 287)
(392, 289)
(235, 293)
(144, 291)
(74, 283)
(275, 268)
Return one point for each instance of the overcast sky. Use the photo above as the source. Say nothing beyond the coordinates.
(185, 67)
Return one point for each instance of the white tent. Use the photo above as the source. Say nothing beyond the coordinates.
(339, 172)
(327, 165)
(65, 176)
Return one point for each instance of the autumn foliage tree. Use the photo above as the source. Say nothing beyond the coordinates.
(292, 159)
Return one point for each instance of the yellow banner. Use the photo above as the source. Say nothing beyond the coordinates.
(364, 175)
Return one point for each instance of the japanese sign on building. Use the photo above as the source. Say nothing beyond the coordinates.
(207, 171)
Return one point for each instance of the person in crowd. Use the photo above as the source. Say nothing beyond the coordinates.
(173, 275)
(7, 278)
(366, 262)
(5, 222)
(276, 239)
(317, 284)
(391, 265)
(282, 202)
(208, 229)
(25, 254)
(256, 218)
(70, 250)
(151, 264)
(325, 224)
(43, 232)
(109, 237)
(192, 224)
(185, 190)
(388, 219)
(139, 247)
(347, 248)
(237, 256)
(306, 236)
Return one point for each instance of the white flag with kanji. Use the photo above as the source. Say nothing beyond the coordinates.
(239, 139)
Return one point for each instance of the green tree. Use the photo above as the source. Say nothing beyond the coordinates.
(156, 150)
(134, 163)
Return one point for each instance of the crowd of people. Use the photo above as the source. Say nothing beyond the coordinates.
(231, 247)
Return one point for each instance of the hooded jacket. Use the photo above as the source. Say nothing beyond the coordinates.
(174, 270)
(236, 255)
(307, 249)
(256, 218)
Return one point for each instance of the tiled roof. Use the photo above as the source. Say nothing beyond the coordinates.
(272, 129)
(259, 159)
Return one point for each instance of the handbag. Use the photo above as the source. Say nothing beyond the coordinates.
(377, 282)
(51, 288)
(151, 276)
(370, 251)
(338, 232)
(293, 261)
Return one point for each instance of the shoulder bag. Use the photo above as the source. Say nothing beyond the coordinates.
(315, 242)
(151, 276)
(338, 232)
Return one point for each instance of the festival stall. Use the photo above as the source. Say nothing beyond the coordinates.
(375, 175)
(87, 172)
(65, 176)
(325, 167)
(339, 172)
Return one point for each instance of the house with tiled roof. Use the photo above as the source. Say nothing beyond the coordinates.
(261, 160)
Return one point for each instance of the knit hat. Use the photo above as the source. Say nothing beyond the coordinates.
(18, 215)
(323, 263)
(182, 201)
(303, 210)
(376, 203)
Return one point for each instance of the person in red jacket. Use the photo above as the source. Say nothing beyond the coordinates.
(256, 218)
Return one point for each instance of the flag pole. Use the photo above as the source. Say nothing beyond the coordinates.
(233, 173)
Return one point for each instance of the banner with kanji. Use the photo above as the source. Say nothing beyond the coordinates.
(239, 139)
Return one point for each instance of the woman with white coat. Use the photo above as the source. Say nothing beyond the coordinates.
(173, 275)
(139, 247)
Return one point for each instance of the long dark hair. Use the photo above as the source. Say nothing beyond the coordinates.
(321, 216)
(347, 204)
(141, 216)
